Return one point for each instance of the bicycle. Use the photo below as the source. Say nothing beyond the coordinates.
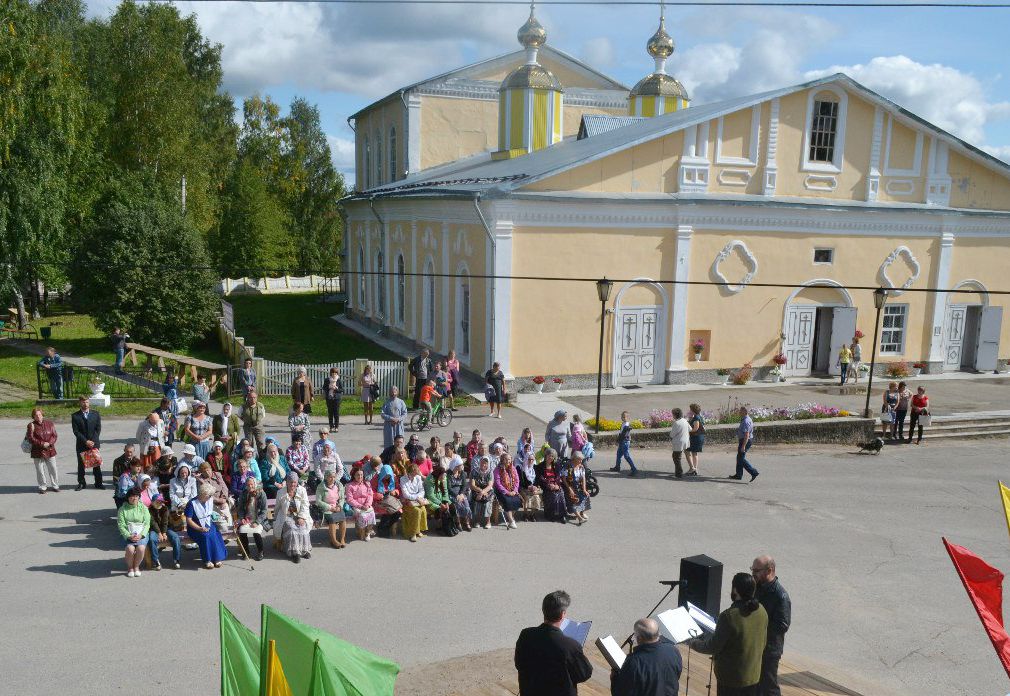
(440, 415)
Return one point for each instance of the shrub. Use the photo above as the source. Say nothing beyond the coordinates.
(722, 371)
(743, 375)
(898, 370)
(609, 425)
(539, 379)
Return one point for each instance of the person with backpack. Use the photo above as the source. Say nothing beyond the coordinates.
(577, 433)
(421, 368)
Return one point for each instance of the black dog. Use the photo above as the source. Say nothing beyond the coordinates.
(874, 445)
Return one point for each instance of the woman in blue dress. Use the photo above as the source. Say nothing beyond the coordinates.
(273, 469)
(200, 525)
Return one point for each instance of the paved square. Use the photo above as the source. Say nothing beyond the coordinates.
(876, 602)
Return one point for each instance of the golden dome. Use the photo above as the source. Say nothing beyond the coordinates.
(532, 34)
(531, 76)
(659, 85)
(661, 44)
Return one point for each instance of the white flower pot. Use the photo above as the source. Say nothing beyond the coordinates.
(538, 388)
(97, 389)
(697, 357)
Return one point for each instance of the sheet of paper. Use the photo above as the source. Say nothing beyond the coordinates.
(701, 617)
(678, 625)
(576, 630)
(611, 651)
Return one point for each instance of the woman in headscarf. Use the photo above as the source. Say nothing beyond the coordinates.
(575, 488)
(506, 488)
(274, 469)
(240, 478)
(134, 522)
(436, 490)
(327, 461)
(182, 487)
(299, 421)
(387, 498)
(227, 427)
(549, 481)
(252, 513)
(424, 464)
(459, 491)
(222, 498)
(220, 461)
(249, 457)
(358, 495)
(298, 458)
(434, 449)
(330, 501)
(415, 514)
(557, 433)
(293, 520)
(200, 522)
(529, 491)
(482, 491)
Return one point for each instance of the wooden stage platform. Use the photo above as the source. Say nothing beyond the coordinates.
(502, 679)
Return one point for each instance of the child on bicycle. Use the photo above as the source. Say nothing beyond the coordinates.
(427, 392)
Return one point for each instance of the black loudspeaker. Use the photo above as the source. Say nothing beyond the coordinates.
(702, 583)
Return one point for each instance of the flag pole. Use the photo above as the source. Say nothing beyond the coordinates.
(1003, 493)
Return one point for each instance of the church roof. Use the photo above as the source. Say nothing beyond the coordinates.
(594, 124)
(499, 178)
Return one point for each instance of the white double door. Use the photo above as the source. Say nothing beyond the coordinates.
(638, 346)
(971, 337)
(814, 336)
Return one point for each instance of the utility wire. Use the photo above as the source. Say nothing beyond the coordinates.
(645, 3)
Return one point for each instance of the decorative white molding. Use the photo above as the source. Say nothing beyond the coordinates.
(835, 166)
(938, 182)
(501, 301)
(748, 259)
(820, 182)
(678, 320)
(661, 347)
(412, 132)
(873, 177)
(428, 239)
(939, 299)
(462, 247)
(751, 159)
(693, 175)
(734, 177)
(820, 282)
(891, 258)
(900, 187)
(397, 235)
(771, 165)
(447, 293)
(916, 168)
(976, 284)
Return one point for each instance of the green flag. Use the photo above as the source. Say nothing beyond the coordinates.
(319, 664)
(240, 656)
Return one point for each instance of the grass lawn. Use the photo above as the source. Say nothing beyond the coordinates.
(349, 406)
(61, 412)
(18, 368)
(298, 329)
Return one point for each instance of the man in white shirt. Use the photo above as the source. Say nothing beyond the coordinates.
(680, 435)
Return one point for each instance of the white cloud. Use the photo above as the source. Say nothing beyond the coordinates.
(342, 153)
(598, 52)
(953, 100)
(1002, 151)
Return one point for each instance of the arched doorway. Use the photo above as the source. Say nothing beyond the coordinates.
(971, 329)
(817, 319)
(639, 314)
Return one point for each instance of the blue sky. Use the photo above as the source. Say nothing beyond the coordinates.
(946, 65)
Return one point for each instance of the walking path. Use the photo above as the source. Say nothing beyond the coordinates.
(89, 363)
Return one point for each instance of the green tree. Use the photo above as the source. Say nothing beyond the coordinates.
(134, 269)
(312, 188)
(253, 236)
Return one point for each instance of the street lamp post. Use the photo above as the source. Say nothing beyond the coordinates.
(879, 298)
(603, 288)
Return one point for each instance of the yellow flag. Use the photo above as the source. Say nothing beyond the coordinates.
(277, 684)
(1004, 494)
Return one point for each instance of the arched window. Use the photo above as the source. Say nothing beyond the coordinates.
(378, 159)
(428, 319)
(825, 134)
(381, 280)
(463, 312)
(361, 278)
(366, 178)
(401, 289)
(393, 173)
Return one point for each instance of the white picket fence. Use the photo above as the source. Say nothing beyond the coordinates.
(275, 378)
(272, 286)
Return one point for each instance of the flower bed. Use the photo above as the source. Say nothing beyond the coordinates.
(661, 418)
(608, 425)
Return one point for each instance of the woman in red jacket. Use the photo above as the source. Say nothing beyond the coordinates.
(42, 436)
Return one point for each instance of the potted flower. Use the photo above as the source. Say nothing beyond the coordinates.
(780, 359)
(698, 346)
(724, 373)
(774, 374)
(864, 369)
(918, 367)
(858, 334)
(743, 375)
(538, 383)
(96, 385)
(558, 382)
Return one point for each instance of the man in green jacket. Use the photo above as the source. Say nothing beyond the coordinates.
(738, 642)
(254, 416)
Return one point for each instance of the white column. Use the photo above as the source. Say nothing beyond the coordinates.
(448, 304)
(385, 280)
(415, 324)
(940, 298)
(682, 272)
(873, 179)
(412, 146)
(369, 280)
(502, 304)
(772, 143)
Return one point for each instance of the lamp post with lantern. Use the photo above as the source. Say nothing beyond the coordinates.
(879, 298)
(603, 288)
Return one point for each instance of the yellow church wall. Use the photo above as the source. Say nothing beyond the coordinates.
(455, 128)
(555, 326)
(746, 326)
(984, 260)
(975, 185)
(379, 120)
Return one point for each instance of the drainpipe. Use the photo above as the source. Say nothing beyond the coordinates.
(406, 134)
(494, 259)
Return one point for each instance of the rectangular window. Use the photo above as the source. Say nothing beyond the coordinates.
(823, 129)
(892, 330)
(824, 255)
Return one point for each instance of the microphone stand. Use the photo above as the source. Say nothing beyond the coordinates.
(673, 584)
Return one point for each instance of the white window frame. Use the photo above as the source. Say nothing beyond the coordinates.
(401, 289)
(824, 263)
(838, 156)
(904, 328)
(428, 301)
(361, 278)
(464, 335)
(393, 175)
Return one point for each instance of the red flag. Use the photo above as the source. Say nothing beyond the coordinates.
(984, 585)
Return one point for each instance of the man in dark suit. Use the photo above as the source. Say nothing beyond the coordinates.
(653, 669)
(87, 427)
(549, 662)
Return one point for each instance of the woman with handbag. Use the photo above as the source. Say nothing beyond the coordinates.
(574, 478)
(887, 410)
(920, 412)
(358, 495)
(252, 514)
(494, 389)
(293, 520)
(369, 392)
(695, 438)
(549, 481)
(330, 501)
(201, 525)
(415, 504)
(455, 387)
(458, 485)
(40, 438)
(482, 491)
(506, 489)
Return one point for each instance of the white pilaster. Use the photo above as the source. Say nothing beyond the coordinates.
(938, 180)
(502, 303)
(772, 144)
(873, 178)
(940, 298)
(448, 305)
(694, 166)
(369, 280)
(388, 309)
(678, 327)
(413, 135)
(415, 305)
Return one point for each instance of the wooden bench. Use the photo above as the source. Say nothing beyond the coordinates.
(217, 373)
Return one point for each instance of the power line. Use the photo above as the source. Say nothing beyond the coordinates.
(645, 3)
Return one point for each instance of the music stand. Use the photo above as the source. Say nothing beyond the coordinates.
(673, 584)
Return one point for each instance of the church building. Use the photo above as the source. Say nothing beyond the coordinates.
(478, 189)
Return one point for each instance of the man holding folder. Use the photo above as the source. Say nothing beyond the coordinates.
(653, 669)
